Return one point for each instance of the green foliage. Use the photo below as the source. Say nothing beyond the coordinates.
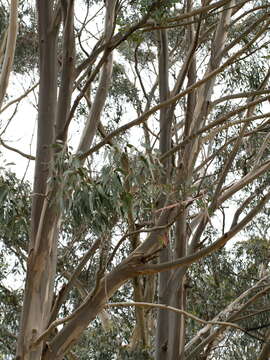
(14, 227)
(14, 212)
(123, 94)
(103, 198)
(122, 87)
(10, 306)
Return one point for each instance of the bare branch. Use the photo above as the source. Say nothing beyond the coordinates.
(178, 311)
(18, 99)
(29, 157)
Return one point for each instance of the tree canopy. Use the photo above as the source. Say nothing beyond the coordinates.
(143, 231)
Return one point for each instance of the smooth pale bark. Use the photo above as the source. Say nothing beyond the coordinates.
(176, 288)
(87, 137)
(204, 97)
(42, 252)
(9, 51)
(46, 110)
(206, 90)
(196, 114)
(45, 218)
(177, 292)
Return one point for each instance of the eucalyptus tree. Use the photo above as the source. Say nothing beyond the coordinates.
(194, 76)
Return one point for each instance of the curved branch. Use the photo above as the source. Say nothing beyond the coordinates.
(29, 157)
(171, 308)
(18, 99)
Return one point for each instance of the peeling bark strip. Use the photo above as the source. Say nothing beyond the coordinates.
(9, 49)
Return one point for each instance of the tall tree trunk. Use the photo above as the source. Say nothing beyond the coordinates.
(42, 259)
(177, 287)
(195, 118)
(164, 146)
(139, 332)
(178, 296)
(45, 217)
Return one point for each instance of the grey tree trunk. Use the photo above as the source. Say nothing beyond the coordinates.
(176, 288)
(164, 146)
(45, 216)
(173, 331)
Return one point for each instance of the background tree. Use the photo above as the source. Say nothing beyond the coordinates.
(160, 194)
